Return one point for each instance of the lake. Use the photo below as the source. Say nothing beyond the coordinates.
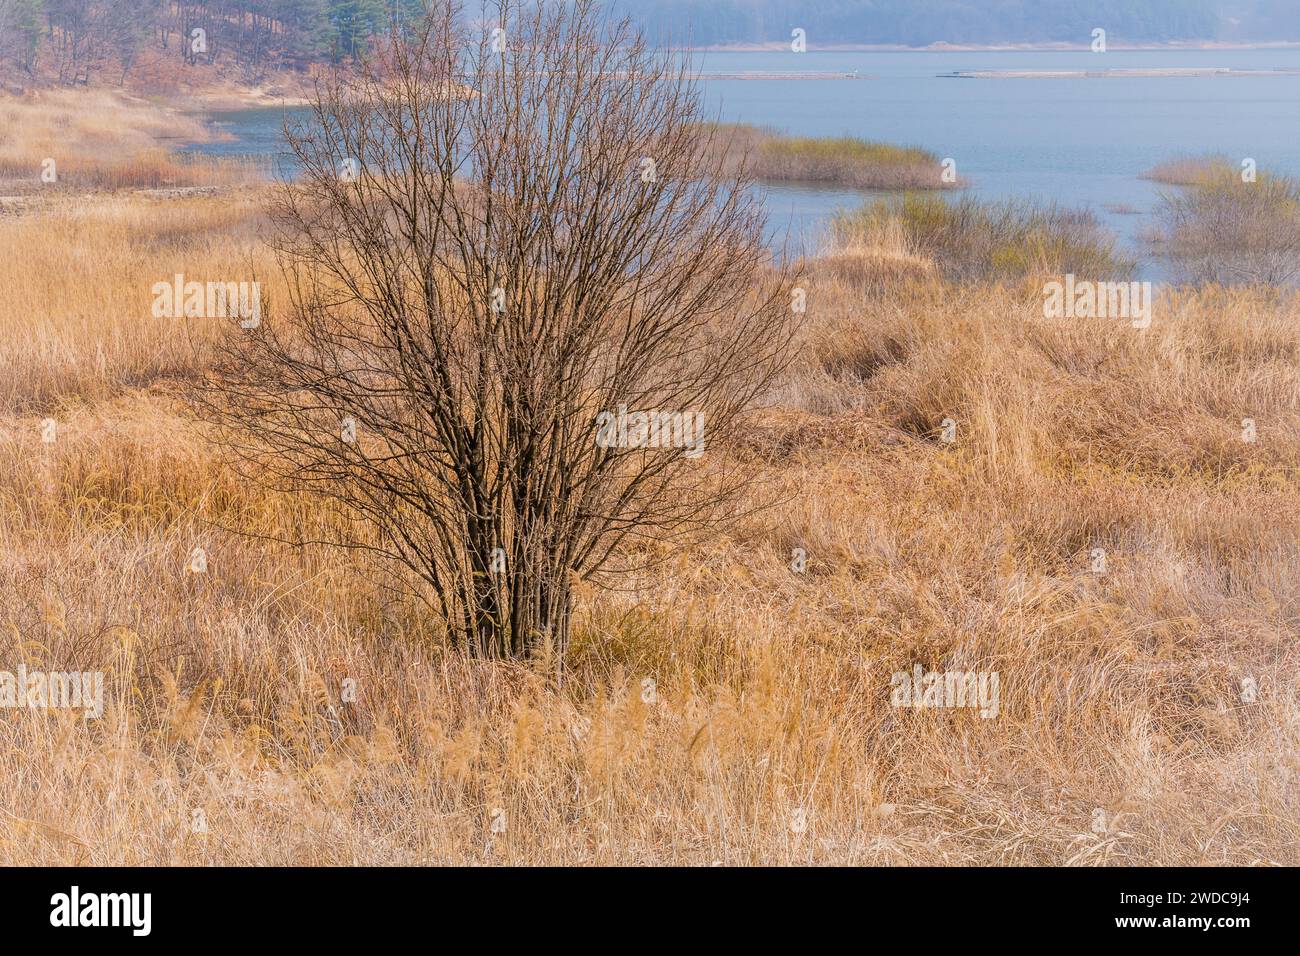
(1076, 141)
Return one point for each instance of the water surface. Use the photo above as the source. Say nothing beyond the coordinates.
(1076, 141)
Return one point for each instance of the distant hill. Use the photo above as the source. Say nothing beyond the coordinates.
(923, 22)
(168, 43)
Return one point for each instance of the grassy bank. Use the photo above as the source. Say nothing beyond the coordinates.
(60, 140)
(1191, 170)
(1229, 226)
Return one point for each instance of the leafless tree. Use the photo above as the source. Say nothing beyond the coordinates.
(505, 235)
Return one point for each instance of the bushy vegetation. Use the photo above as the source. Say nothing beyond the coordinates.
(770, 694)
(971, 239)
(104, 41)
(1226, 229)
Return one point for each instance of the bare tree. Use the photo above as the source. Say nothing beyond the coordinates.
(521, 274)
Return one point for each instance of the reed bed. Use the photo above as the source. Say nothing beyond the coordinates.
(844, 161)
(723, 706)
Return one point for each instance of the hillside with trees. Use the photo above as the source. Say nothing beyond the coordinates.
(116, 41)
(156, 42)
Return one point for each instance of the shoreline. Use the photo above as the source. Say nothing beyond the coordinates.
(291, 90)
(223, 100)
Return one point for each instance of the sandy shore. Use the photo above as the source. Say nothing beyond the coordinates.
(244, 99)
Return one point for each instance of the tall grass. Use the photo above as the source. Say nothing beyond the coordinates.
(76, 317)
(968, 239)
(101, 140)
(1190, 170)
(1121, 692)
(844, 161)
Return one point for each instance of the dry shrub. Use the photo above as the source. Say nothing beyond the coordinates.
(1228, 231)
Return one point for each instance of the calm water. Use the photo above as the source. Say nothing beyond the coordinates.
(1079, 142)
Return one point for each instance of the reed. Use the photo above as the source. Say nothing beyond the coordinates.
(968, 239)
(721, 707)
(844, 161)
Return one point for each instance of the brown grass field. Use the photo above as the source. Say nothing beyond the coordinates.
(103, 140)
(1123, 736)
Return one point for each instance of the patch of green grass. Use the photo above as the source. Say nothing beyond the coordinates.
(847, 149)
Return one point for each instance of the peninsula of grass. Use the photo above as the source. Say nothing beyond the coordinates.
(844, 161)
(1191, 170)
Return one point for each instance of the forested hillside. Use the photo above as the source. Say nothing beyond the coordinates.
(920, 22)
(80, 41)
(116, 41)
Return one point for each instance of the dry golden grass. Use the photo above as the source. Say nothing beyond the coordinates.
(1191, 170)
(102, 140)
(845, 161)
(78, 275)
(1120, 692)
